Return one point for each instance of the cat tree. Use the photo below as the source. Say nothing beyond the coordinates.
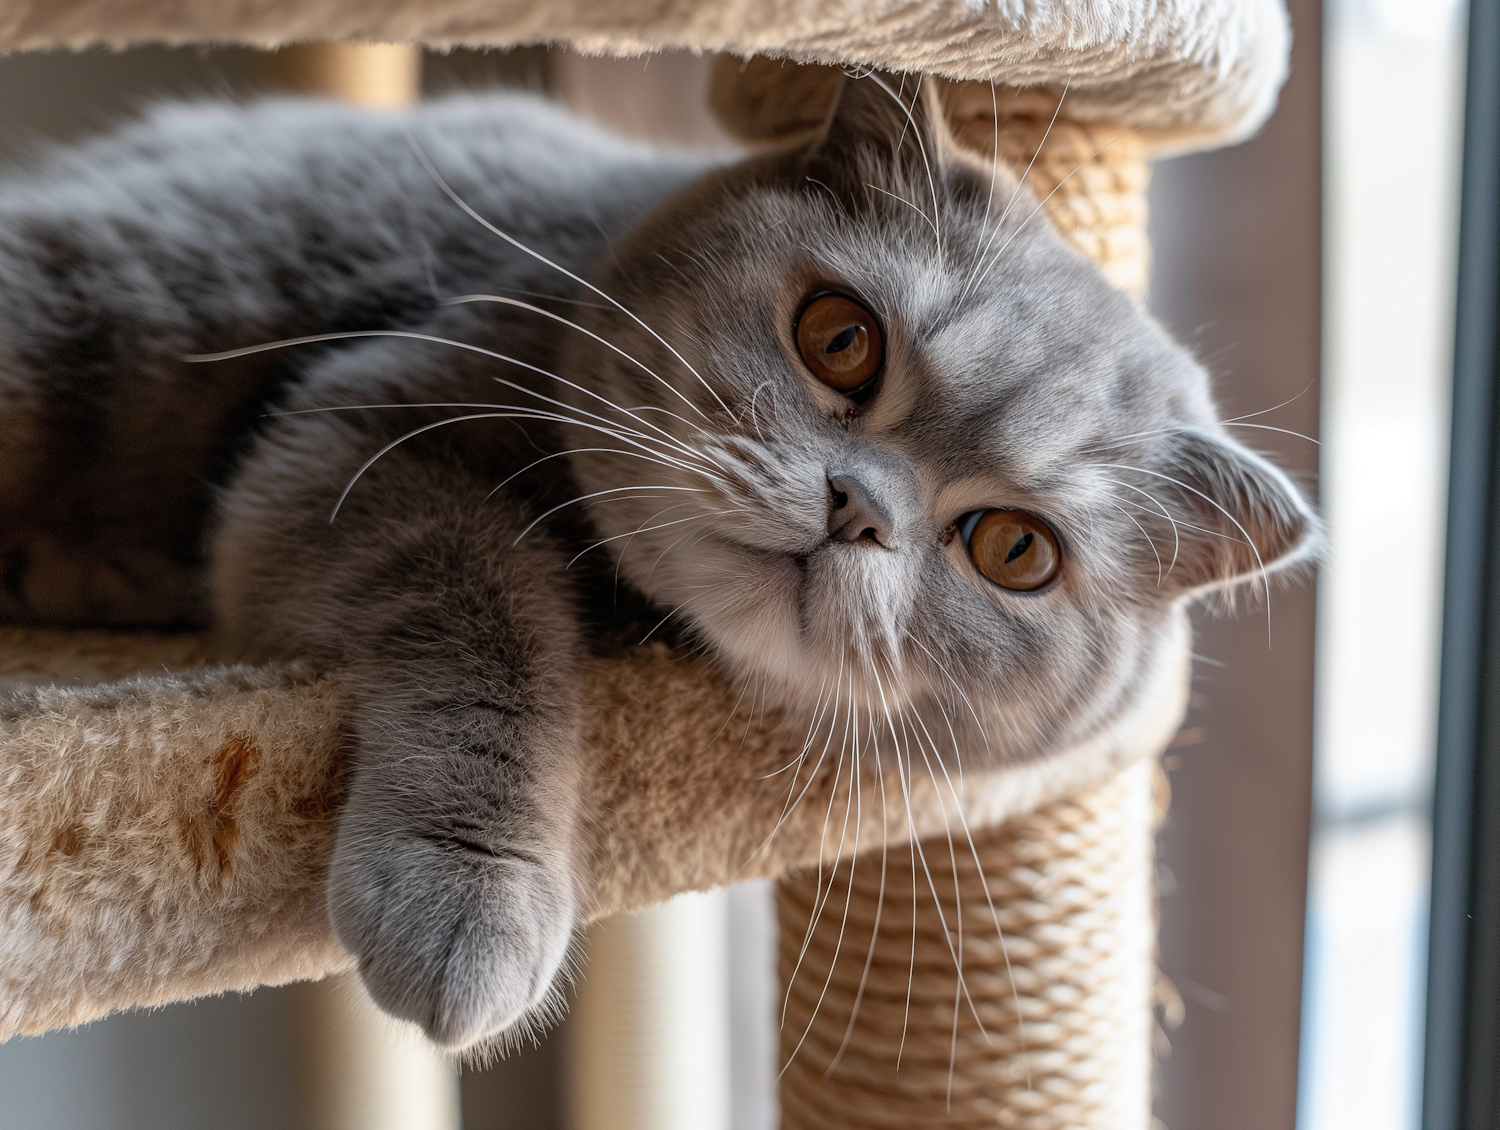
(164, 835)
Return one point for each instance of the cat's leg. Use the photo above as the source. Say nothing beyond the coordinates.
(453, 880)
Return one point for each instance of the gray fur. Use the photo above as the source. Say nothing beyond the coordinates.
(681, 476)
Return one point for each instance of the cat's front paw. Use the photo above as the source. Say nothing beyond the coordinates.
(459, 935)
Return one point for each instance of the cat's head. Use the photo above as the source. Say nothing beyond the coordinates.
(898, 445)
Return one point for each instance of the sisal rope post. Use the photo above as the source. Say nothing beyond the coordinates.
(1005, 981)
(1050, 1026)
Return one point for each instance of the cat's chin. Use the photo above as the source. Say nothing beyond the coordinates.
(804, 628)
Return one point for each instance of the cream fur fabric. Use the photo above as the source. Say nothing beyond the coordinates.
(1194, 72)
(166, 836)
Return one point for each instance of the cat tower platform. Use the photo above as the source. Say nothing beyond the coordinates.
(166, 815)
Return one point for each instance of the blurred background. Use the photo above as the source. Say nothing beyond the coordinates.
(1311, 269)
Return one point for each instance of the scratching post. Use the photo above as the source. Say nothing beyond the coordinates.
(1050, 1027)
(1005, 982)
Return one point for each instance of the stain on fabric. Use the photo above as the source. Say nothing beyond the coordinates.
(211, 836)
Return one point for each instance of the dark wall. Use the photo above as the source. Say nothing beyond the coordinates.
(1238, 276)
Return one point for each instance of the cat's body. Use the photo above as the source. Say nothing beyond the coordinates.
(678, 440)
(213, 226)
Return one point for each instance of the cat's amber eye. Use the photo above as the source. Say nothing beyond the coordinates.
(840, 342)
(1012, 548)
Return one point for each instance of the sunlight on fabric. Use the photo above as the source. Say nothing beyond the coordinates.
(1393, 97)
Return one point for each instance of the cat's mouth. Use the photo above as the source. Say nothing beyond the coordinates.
(831, 596)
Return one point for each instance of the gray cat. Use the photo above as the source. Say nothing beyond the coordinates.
(849, 416)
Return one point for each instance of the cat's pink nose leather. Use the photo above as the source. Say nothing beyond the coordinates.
(855, 514)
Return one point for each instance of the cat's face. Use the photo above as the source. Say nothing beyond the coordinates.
(906, 449)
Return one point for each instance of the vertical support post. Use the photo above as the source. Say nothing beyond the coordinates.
(650, 1028)
(1050, 918)
(367, 74)
(361, 1070)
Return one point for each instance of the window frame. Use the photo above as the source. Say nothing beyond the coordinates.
(1461, 1087)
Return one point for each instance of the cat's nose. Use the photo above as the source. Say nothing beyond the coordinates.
(855, 514)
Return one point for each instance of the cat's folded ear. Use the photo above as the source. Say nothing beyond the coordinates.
(883, 130)
(1219, 514)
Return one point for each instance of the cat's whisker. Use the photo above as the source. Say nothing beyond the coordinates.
(853, 802)
(952, 736)
(864, 976)
(413, 335)
(989, 239)
(808, 738)
(869, 956)
(968, 702)
(908, 110)
(733, 710)
(597, 494)
(542, 296)
(1165, 513)
(903, 200)
(502, 300)
(1267, 411)
(653, 629)
(641, 442)
(656, 564)
(902, 771)
(1117, 441)
(642, 529)
(1269, 428)
(754, 420)
(681, 604)
(395, 443)
(1186, 525)
(1000, 253)
(983, 882)
(1265, 577)
(431, 170)
(958, 918)
(911, 969)
(820, 899)
(958, 909)
(760, 683)
(1160, 573)
(917, 845)
(696, 540)
(794, 798)
(650, 457)
(644, 495)
(989, 196)
(837, 203)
